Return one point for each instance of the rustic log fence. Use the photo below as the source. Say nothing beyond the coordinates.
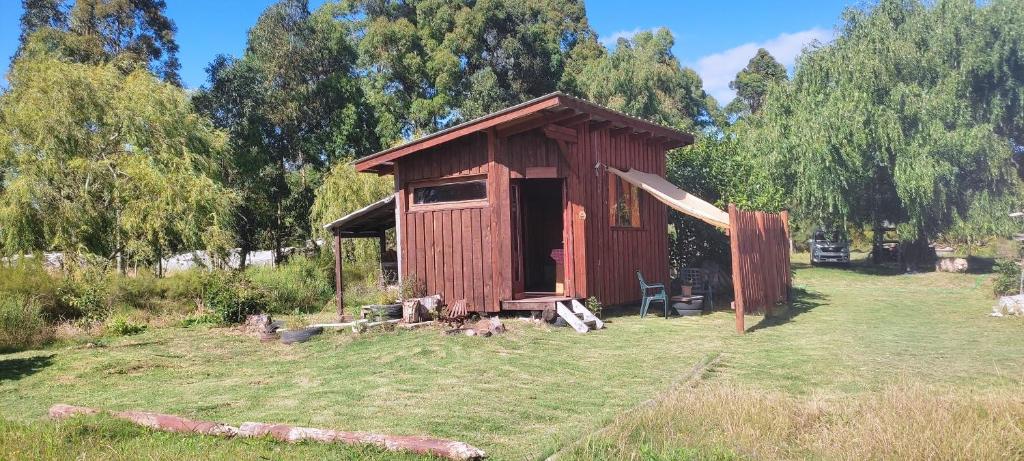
(761, 274)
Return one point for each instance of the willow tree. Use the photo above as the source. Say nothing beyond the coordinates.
(881, 124)
(96, 161)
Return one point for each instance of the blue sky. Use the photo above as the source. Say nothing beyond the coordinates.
(714, 38)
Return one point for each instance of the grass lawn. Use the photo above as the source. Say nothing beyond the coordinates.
(860, 353)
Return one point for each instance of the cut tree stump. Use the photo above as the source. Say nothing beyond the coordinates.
(450, 449)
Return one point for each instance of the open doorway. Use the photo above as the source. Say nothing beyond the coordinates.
(540, 202)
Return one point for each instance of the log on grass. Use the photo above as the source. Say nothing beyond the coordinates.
(450, 449)
(423, 445)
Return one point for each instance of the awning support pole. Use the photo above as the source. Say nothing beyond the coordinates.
(338, 289)
(382, 241)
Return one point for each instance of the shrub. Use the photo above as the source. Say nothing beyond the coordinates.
(22, 325)
(121, 325)
(1007, 278)
(199, 318)
(231, 297)
(28, 279)
(301, 285)
(594, 305)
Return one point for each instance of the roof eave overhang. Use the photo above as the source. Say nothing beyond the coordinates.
(383, 162)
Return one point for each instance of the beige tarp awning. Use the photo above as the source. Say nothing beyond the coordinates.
(675, 197)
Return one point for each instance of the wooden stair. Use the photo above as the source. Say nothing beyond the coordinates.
(578, 317)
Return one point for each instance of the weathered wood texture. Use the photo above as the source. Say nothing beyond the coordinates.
(614, 254)
(448, 251)
(430, 446)
(761, 273)
(467, 252)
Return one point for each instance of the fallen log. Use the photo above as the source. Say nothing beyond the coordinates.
(450, 449)
(410, 326)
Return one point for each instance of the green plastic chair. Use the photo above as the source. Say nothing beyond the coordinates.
(651, 292)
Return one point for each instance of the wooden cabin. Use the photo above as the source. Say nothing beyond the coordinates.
(517, 209)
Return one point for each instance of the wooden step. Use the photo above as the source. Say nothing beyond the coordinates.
(570, 317)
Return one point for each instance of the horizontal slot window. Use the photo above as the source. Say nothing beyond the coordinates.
(450, 193)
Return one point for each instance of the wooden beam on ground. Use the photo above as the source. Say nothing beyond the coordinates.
(430, 446)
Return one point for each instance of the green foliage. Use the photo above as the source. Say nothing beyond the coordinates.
(86, 290)
(27, 278)
(231, 297)
(883, 124)
(642, 77)
(301, 285)
(121, 325)
(103, 163)
(130, 34)
(715, 170)
(1007, 278)
(595, 306)
(343, 191)
(753, 82)
(433, 63)
(292, 106)
(22, 325)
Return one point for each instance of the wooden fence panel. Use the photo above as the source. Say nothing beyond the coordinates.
(760, 261)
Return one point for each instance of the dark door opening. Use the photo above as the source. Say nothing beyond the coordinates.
(540, 203)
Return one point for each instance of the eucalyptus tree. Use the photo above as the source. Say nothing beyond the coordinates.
(432, 63)
(96, 161)
(753, 81)
(130, 33)
(884, 124)
(292, 105)
(642, 77)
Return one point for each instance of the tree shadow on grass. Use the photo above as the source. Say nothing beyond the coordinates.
(15, 369)
(803, 301)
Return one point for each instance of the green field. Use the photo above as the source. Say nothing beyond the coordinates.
(865, 364)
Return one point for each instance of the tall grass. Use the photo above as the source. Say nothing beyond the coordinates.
(22, 325)
(903, 421)
(301, 285)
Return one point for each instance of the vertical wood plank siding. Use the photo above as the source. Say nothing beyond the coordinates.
(466, 252)
(613, 255)
(447, 251)
(760, 261)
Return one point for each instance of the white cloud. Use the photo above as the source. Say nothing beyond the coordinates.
(717, 70)
(610, 40)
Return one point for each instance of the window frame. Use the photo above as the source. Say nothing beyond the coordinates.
(471, 203)
(631, 193)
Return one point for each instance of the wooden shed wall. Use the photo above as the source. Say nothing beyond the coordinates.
(615, 254)
(466, 252)
(448, 250)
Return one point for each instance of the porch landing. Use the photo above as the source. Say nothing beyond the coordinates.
(534, 302)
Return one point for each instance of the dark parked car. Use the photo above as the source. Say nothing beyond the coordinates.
(829, 247)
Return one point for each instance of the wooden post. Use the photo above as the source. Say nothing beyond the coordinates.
(337, 275)
(737, 277)
(382, 242)
(789, 263)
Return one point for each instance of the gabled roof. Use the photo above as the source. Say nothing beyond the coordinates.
(551, 108)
